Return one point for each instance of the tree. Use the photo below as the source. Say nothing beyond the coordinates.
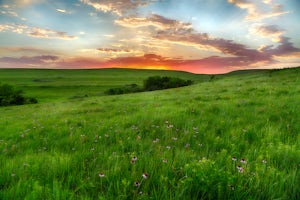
(10, 96)
(160, 83)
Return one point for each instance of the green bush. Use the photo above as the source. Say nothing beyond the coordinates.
(150, 84)
(10, 96)
(131, 88)
(160, 83)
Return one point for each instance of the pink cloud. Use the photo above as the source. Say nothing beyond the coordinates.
(26, 61)
(271, 31)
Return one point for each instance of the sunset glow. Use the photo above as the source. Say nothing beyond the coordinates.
(199, 36)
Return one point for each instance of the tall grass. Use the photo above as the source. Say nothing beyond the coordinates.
(190, 141)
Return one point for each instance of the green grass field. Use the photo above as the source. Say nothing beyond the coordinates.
(183, 140)
(57, 85)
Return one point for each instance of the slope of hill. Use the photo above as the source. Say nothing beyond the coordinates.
(56, 85)
(235, 137)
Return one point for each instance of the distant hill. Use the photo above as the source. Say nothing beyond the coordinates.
(49, 85)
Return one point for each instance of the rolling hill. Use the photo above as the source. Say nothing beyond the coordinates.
(235, 136)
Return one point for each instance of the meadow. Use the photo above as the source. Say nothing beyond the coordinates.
(233, 136)
(58, 85)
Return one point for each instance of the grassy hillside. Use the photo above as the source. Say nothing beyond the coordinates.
(56, 85)
(184, 139)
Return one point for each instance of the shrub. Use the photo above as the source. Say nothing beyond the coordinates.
(10, 96)
(160, 83)
(131, 88)
(150, 84)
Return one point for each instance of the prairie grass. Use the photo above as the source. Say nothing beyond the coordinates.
(185, 139)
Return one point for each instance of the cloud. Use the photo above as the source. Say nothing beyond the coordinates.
(9, 13)
(47, 33)
(270, 31)
(50, 61)
(213, 64)
(182, 33)
(267, 1)
(19, 51)
(236, 54)
(36, 32)
(22, 3)
(61, 10)
(257, 11)
(284, 49)
(118, 7)
(26, 61)
(231, 48)
(111, 50)
(109, 35)
(154, 20)
(79, 63)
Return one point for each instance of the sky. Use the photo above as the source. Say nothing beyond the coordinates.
(198, 36)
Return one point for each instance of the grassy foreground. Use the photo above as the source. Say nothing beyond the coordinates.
(173, 144)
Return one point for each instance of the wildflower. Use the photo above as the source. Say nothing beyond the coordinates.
(187, 145)
(174, 138)
(168, 147)
(232, 187)
(145, 175)
(170, 126)
(101, 175)
(233, 158)
(134, 158)
(241, 170)
(156, 140)
(137, 184)
(165, 161)
(264, 161)
(13, 174)
(243, 161)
